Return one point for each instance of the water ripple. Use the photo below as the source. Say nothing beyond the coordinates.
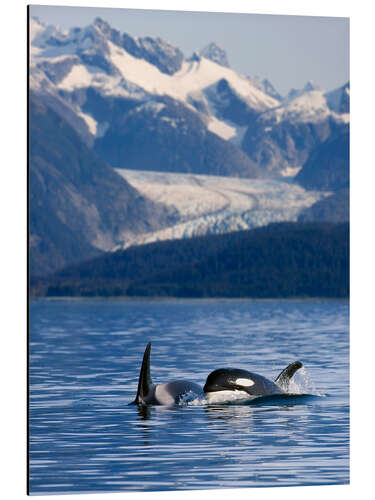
(84, 363)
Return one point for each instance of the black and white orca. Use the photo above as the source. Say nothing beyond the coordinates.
(235, 384)
(222, 385)
(168, 393)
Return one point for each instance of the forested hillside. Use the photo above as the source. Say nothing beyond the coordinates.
(279, 260)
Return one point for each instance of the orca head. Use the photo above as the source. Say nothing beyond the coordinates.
(232, 384)
(233, 380)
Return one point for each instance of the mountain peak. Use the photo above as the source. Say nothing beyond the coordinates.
(310, 86)
(216, 54)
(101, 24)
(34, 20)
(265, 86)
(165, 56)
(338, 100)
(36, 27)
(195, 57)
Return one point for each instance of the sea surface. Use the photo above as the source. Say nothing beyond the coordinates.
(84, 361)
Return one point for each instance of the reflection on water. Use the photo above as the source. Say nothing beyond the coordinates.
(85, 358)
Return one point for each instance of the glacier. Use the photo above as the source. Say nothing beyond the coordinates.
(207, 204)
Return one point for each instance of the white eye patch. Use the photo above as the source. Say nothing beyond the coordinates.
(245, 382)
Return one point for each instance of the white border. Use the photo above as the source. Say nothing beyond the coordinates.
(13, 250)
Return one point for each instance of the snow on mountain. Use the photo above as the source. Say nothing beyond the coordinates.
(266, 87)
(309, 106)
(91, 123)
(35, 29)
(78, 77)
(193, 78)
(212, 204)
(309, 86)
(43, 37)
(103, 63)
(120, 65)
(138, 104)
(223, 127)
(156, 51)
(95, 75)
(226, 130)
(216, 54)
(281, 139)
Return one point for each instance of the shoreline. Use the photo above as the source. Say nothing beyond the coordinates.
(191, 299)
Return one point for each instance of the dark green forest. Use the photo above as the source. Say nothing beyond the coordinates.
(279, 260)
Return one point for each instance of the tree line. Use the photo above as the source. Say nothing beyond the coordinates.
(279, 260)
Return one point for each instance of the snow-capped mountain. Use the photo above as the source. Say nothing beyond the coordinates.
(310, 106)
(281, 139)
(104, 59)
(140, 104)
(309, 86)
(95, 74)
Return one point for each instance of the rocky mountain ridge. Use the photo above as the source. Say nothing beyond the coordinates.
(122, 72)
(138, 103)
(79, 206)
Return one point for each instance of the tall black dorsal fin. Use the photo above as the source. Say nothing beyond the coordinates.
(145, 381)
(284, 377)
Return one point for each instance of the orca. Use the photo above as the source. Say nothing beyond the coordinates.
(168, 393)
(233, 384)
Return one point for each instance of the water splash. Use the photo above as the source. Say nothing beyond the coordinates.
(302, 383)
(191, 398)
(197, 401)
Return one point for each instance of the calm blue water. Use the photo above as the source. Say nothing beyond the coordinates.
(84, 363)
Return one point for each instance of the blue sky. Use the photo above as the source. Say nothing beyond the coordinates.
(288, 50)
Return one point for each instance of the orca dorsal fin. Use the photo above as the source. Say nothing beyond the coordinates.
(145, 381)
(284, 377)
